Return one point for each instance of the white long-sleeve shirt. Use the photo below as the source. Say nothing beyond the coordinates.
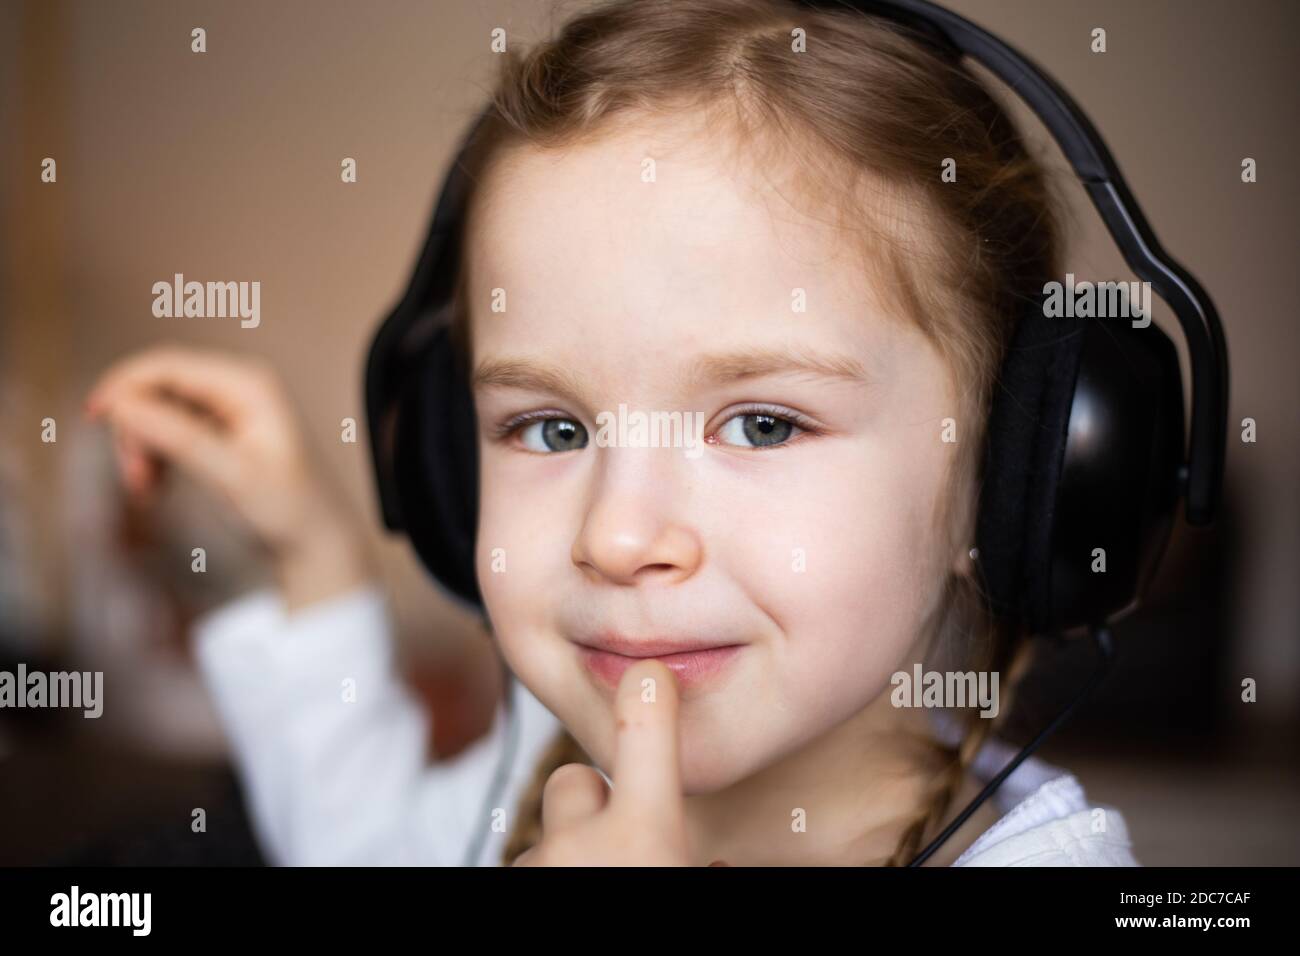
(330, 748)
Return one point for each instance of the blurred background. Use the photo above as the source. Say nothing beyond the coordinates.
(226, 165)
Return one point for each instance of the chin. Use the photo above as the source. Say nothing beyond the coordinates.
(708, 779)
(711, 768)
(703, 770)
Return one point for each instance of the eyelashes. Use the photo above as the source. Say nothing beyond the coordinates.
(566, 433)
(515, 423)
(757, 431)
(756, 426)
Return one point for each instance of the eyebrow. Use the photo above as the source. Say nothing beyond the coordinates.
(756, 363)
(722, 368)
(530, 376)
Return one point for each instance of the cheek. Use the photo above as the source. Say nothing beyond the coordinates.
(523, 555)
(859, 568)
(524, 560)
(523, 530)
(512, 549)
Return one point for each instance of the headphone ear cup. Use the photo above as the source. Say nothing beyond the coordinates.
(1085, 443)
(1119, 486)
(436, 469)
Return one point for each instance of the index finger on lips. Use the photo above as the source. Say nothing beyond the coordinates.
(647, 772)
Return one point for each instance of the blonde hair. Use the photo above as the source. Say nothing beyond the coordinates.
(869, 103)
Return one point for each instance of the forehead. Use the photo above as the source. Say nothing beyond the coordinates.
(662, 229)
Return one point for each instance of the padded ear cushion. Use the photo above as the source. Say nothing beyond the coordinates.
(1024, 451)
(436, 465)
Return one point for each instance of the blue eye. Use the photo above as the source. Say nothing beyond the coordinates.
(553, 435)
(758, 430)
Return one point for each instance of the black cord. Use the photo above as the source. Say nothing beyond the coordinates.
(503, 767)
(1106, 654)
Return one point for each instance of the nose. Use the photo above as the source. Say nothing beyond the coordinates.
(636, 528)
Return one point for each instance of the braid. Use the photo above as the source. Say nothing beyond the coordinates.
(527, 831)
(1004, 652)
(975, 731)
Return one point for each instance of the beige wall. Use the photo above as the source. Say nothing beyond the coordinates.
(226, 166)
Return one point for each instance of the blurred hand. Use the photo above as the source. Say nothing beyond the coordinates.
(226, 421)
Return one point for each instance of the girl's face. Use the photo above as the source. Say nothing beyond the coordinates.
(638, 271)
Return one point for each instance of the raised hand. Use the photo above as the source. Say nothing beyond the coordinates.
(227, 422)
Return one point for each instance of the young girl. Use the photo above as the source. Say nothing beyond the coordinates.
(678, 208)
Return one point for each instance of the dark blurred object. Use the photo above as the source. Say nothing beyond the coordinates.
(73, 797)
(228, 840)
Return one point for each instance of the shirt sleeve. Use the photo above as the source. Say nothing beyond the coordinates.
(329, 744)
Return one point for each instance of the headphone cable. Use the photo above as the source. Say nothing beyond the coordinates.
(1106, 656)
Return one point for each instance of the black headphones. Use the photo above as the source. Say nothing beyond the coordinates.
(1085, 441)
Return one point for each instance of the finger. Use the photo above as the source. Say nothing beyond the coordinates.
(164, 429)
(573, 793)
(140, 470)
(647, 774)
(223, 384)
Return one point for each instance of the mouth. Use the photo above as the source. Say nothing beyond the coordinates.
(693, 664)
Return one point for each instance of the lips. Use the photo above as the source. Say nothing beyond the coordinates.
(692, 663)
(649, 646)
